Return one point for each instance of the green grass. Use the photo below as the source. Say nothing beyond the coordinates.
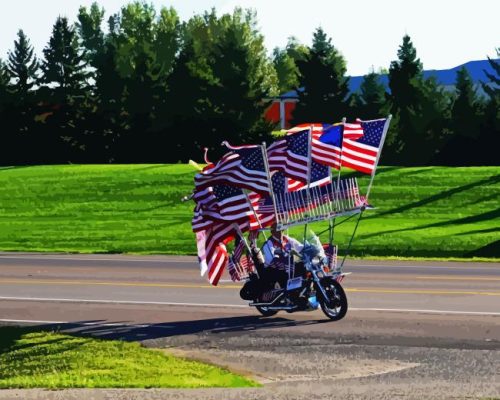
(30, 359)
(421, 212)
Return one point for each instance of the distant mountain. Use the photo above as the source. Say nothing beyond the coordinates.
(445, 77)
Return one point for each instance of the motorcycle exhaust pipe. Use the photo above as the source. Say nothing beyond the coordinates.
(267, 304)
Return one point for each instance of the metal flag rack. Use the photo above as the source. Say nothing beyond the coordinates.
(336, 199)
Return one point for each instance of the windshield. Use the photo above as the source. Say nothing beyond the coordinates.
(312, 245)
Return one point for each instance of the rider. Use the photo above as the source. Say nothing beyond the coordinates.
(277, 256)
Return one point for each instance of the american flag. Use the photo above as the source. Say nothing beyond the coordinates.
(239, 262)
(361, 154)
(327, 142)
(216, 255)
(222, 202)
(227, 203)
(212, 251)
(290, 155)
(217, 209)
(265, 205)
(327, 146)
(320, 176)
(242, 167)
(353, 130)
(234, 261)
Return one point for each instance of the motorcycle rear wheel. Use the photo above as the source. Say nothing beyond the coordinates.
(265, 311)
(335, 307)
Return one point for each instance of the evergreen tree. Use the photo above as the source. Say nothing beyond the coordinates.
(420, 110)
(5, 101)
(465, 122)
(22, 65)
(493, 87)
(490, 126)
(109, 94)
(371, 101)
(323, 84)
(22, 68)
(466, 107)
(5, 91)
(64, 63)
(219, 83)
(67, 98)
(145, 47)
(91, 34)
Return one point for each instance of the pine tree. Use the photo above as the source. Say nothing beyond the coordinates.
(420, 110)
(217, 88)
(465, 123)
(466, 107)
(22, 65)
(323, 85)
(371, 101)
(91, 35)
(64, 63)
(4, 83)
(490, 126)
(493, 87)
(6, 149)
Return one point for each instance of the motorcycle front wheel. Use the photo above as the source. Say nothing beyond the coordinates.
(335, 307)
(265, 311)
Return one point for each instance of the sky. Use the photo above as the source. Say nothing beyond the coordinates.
(368, 33)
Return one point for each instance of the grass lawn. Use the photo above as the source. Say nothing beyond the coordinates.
(38, 359)
(421, 212)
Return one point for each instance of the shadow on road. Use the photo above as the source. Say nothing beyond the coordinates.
(132, 332)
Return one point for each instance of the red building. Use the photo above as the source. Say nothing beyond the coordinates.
(280, 111)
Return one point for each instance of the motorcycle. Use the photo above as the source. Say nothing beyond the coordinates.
(316, 286)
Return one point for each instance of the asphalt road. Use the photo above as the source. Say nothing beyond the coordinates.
(410, 326)
(52, 279)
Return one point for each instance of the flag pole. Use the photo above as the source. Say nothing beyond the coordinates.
(269, 180)
(309, 145)
(382, 140)
(341, 148)
(245, 192)
(331, 221)
(237, 229)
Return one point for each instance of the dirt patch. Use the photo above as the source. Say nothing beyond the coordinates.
(268, 367)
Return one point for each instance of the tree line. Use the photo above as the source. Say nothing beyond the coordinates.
(151, 88)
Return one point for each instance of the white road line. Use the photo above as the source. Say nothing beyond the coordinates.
(36, 257)
(165, 303)
(161, 303)
(96, 259)
(426, 311)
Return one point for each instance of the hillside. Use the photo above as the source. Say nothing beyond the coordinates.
(421, 212)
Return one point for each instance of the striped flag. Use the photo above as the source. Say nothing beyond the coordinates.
(353, 130)
(361, 154)
(217, 209)
(327, 146)
(320, 176)
(290, 155)
(327, 142)
(240, 265)
(242, 167)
